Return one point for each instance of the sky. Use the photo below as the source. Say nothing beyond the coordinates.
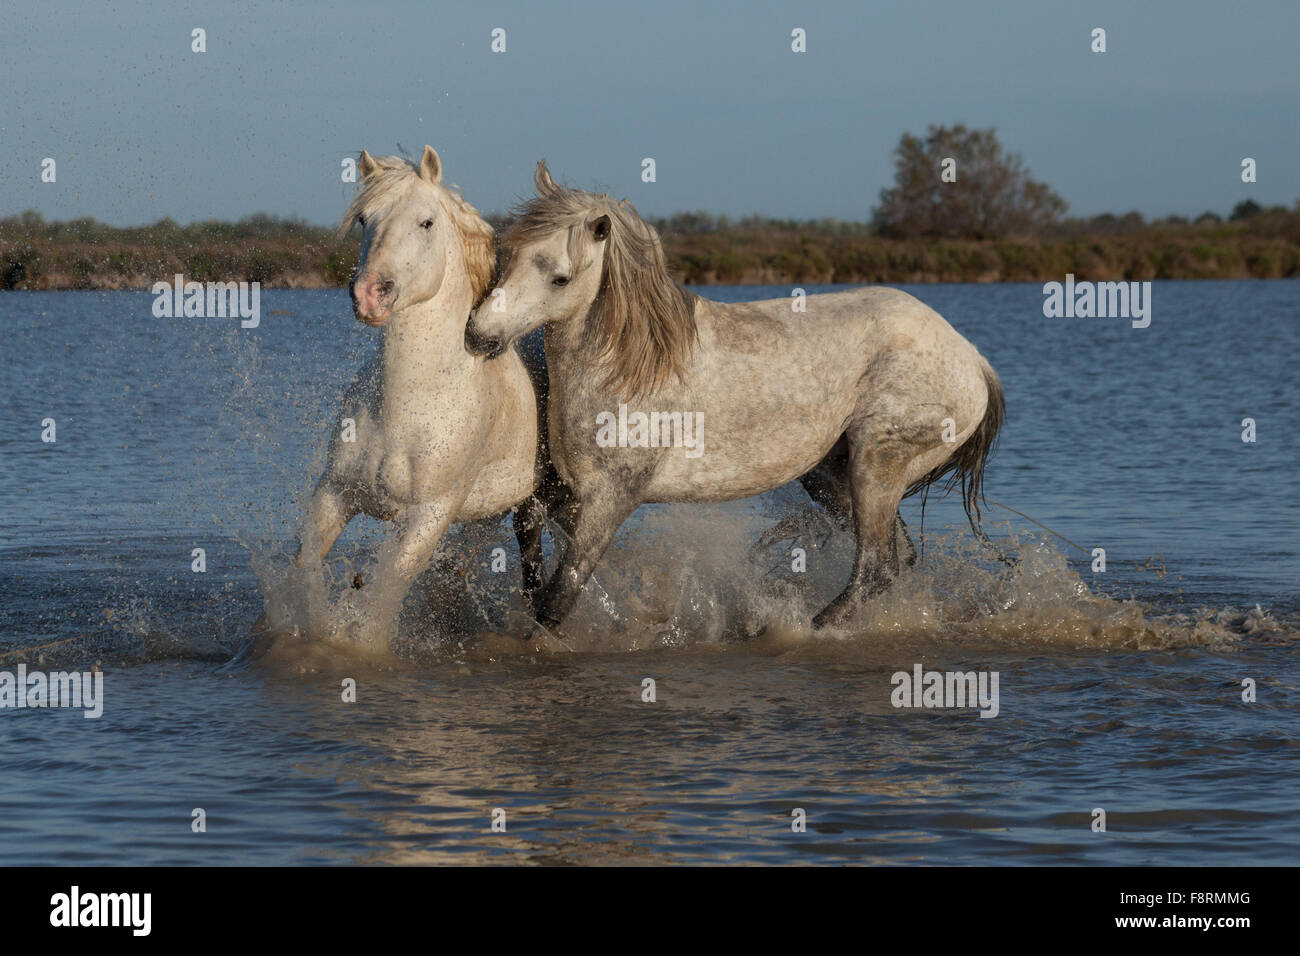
(142, 128)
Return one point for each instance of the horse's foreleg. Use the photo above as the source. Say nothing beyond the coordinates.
(529, 517)
(552, 500)
(327, 516)
(562, 507)
(594, 522)
(404, 555)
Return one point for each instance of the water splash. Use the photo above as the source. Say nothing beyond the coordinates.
(676, 577)
(692, 576)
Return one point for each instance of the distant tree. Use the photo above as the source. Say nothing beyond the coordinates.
(1110, 224)
(992, 196)
(698, 221)
(1208, 217)
(1132, 222)
(1244, 210)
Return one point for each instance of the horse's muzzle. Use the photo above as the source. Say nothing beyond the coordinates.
(476, 344)
(372, 299)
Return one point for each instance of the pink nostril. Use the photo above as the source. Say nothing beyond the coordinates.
(373, 294)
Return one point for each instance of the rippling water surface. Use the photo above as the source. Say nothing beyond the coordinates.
(1120, 691)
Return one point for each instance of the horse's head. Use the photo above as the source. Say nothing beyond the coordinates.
(578, 255)
(556, 261)
(413, 229)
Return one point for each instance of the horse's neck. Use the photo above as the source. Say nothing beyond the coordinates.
(426, 341)
(572, 378)
(565, 352)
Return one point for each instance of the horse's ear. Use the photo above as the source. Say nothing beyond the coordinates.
(543, 182)
(600, 228)
(431, 166)
(367, 165)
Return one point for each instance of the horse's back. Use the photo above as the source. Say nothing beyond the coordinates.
(865, 321)
(874, 303)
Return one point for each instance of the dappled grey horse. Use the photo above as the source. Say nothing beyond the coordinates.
(867, 395)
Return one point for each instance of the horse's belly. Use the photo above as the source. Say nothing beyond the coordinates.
(728, 473)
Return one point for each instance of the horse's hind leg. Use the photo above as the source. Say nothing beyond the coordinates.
(830, 485)
(876, 486)
(905, 542)
(827, 484)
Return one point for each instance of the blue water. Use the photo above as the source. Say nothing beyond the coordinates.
(1120, 690)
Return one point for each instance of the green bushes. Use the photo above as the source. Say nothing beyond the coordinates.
(701, 249)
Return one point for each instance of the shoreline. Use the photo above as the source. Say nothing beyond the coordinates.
(311, 282)
(54, 256)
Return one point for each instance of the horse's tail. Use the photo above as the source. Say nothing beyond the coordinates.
(967, 465)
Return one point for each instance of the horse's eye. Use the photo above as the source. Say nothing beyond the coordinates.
(362, 221)
(427, 224)
(560, 280)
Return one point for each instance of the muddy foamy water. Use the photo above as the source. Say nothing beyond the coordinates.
(1119, 691)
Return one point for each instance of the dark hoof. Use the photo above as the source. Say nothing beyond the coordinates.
(836, 614)
(546, 625)
(545, 638)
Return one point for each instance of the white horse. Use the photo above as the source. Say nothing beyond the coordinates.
(867, 396)
(439, 436)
